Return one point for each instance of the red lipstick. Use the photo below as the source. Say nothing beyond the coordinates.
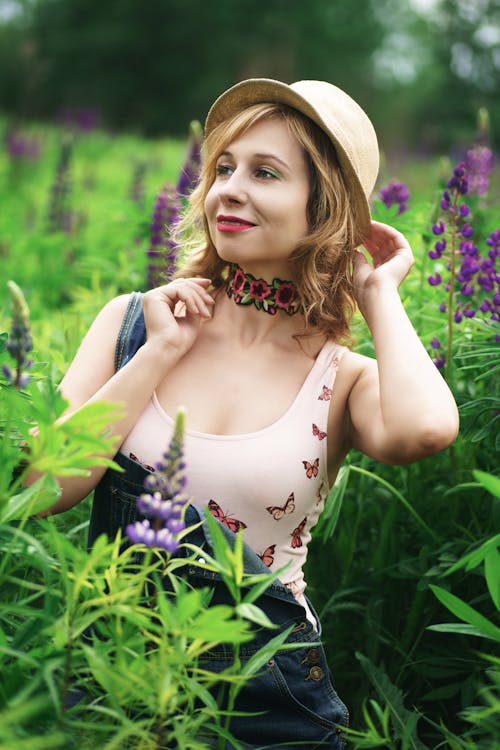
(232, 223)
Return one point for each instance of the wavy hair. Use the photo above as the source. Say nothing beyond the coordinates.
(321, 264)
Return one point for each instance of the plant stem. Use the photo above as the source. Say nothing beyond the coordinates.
(451, 293)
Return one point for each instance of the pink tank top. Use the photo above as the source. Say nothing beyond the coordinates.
(272, 483)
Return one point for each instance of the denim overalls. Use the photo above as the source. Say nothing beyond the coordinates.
(293, 694)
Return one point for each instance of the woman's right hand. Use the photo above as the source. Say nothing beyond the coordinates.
(175, 312)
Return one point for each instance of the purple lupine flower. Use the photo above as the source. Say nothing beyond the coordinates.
(83, 120)
(19, 342)
(61, 217)
(395, 193)
(190, 171)
(473, 280)
(438, 357)
(478, 165)
(20, 146)
(439, 228)
(164, 501)
(163, 249)
(459, 183)
(435, 280)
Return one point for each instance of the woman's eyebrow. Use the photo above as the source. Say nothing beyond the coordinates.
(259, 156)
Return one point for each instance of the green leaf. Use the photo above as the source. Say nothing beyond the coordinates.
(457, 627)
(333, 504)
(492, 575)
(39, 496)
(476, 557)
(216, 624)
(488, 481)
(260, 582)
(254, 614)
(257, 661)
(466, 613)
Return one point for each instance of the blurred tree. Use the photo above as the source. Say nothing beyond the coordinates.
(466, 49)
(438, 63)
(157, 65)
(421, 68)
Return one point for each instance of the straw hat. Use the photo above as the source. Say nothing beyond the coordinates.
(344, 122)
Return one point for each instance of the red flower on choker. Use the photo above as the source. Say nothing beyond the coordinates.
(245, 289)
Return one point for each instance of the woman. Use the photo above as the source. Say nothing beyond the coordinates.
(248, 339)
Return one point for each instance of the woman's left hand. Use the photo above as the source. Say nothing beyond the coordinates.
(392, 259)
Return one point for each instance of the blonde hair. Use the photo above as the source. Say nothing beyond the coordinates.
(321, 264)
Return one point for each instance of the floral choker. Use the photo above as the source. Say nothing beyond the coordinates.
(245, 289)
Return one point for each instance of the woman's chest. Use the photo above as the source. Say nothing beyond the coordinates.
(234, 391)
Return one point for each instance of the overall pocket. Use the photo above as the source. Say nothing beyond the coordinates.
(122, 508)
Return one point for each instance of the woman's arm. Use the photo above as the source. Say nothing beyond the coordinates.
(400, 408)
(91, 375)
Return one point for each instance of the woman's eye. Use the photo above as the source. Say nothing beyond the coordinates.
(222, 170)
(267, 174)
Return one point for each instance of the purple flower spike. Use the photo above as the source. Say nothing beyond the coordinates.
(19, 342)
(20, 146)
(395, 193)
(190, 172)
(478, 165)
(471, 279)
(165, 502)
(435, 343)
(162, 247)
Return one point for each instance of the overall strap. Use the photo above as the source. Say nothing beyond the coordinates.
(132, 334)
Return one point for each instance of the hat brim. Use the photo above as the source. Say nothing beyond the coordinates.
(263, 90)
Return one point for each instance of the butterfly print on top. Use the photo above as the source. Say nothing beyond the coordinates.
(318, 433)
(326, 394)
(267, 556)
(296, 538)
(311, 469)
(231, 523)
(278, 512)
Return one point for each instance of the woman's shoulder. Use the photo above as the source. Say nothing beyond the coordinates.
(353, 365)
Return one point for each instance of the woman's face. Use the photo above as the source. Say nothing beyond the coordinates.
(256, 208)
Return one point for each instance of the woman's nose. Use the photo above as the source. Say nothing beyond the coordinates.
(232, 189)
